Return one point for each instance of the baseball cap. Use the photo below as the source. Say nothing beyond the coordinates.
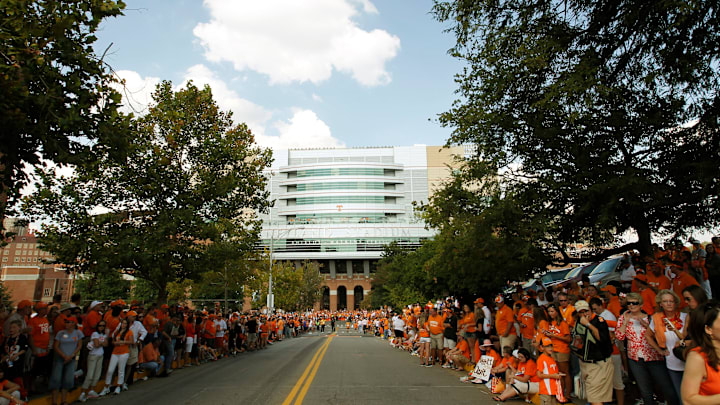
(582, 305)
(611, 289)
(24, 304)
(499, 299)
(546, 342)
(131, 313)
(41, 305)
(486, 343)
(479, 300)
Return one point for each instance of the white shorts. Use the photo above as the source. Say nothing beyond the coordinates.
(449, 343)
(526, 387)
(425, 340)
(188, 344)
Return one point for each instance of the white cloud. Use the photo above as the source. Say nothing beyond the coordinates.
(303, 130)
(137, 92)
(297, 41)
(253, 115)
(316, 97)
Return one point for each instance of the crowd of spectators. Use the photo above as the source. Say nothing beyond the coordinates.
(652, 337)
(61, 346)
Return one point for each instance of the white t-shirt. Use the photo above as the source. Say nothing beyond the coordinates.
(220, 328)
(398, 323)
(96, 351)
(672, 362)
(628, 274)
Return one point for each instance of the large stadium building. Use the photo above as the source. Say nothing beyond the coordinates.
(341, 206)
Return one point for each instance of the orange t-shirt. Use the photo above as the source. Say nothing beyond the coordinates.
(504, 319)
(264, 328)
(111, 322)
(527, 323)
(40, 334)
(464, 348)
(679, 283)
(528, 368)
(648, 296)
(547, 365)
(563, 330)
(659, 282)
(711, 385)
(91, 320)
(435, 324)
(423, 331)
(614, 306)
(469, 320)
(149, 353)
(567, 314)
(122, 348)
(496, 357)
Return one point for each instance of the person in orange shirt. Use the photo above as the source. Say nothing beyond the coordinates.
(504, 323)
(647, 294)
(467, 326)
(122, 339)
(527, 323)
(92, 318)
(548, 373)
(656, 280)
(566, 309)
(525, 382)
(436, 329)
(681, 281)
(40, 341)
(613, 302)
(488, 349)
(559, 333)
(460, 355)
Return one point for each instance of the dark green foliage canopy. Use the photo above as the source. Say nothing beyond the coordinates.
(597, 117)
(56, 102)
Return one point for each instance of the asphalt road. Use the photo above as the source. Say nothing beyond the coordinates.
(344, 368)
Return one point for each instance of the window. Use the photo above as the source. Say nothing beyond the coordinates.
(342, 171)
(17, 259)
(6, 251)
(35, 259)
(5, 259)
(343, 185)
(46, 292)
(348, 199)
(22, 260)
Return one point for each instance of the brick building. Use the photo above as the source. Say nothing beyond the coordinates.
(25, 271)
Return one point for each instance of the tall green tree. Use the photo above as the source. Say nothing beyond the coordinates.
(191, 180)
(103, 286)
(597, 117)
(295, 287)
(57, 102)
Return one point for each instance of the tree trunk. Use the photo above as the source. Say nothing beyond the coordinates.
(644, 240)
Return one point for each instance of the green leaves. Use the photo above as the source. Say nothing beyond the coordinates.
(594, 118)
(173, 208)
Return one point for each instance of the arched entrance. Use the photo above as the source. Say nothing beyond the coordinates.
(358, 292)
(342, 298)
(325, 303)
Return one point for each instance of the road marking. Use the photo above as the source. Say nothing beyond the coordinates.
(305, 373)
(309, 381)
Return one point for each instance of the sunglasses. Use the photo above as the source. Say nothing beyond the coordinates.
(633, 303)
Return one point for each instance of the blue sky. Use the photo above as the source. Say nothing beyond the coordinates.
(310, 73)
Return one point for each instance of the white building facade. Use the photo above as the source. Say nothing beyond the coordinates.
(341, 207)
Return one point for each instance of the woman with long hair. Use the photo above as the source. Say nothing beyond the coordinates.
(667, 328)
(424, 334)
(98, 341)
(701, 381)
(646, 364)
(122, 337)
(468, 326)
(559, 333)
(694, 296)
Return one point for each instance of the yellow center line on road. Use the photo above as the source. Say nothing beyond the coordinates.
(312, 366)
